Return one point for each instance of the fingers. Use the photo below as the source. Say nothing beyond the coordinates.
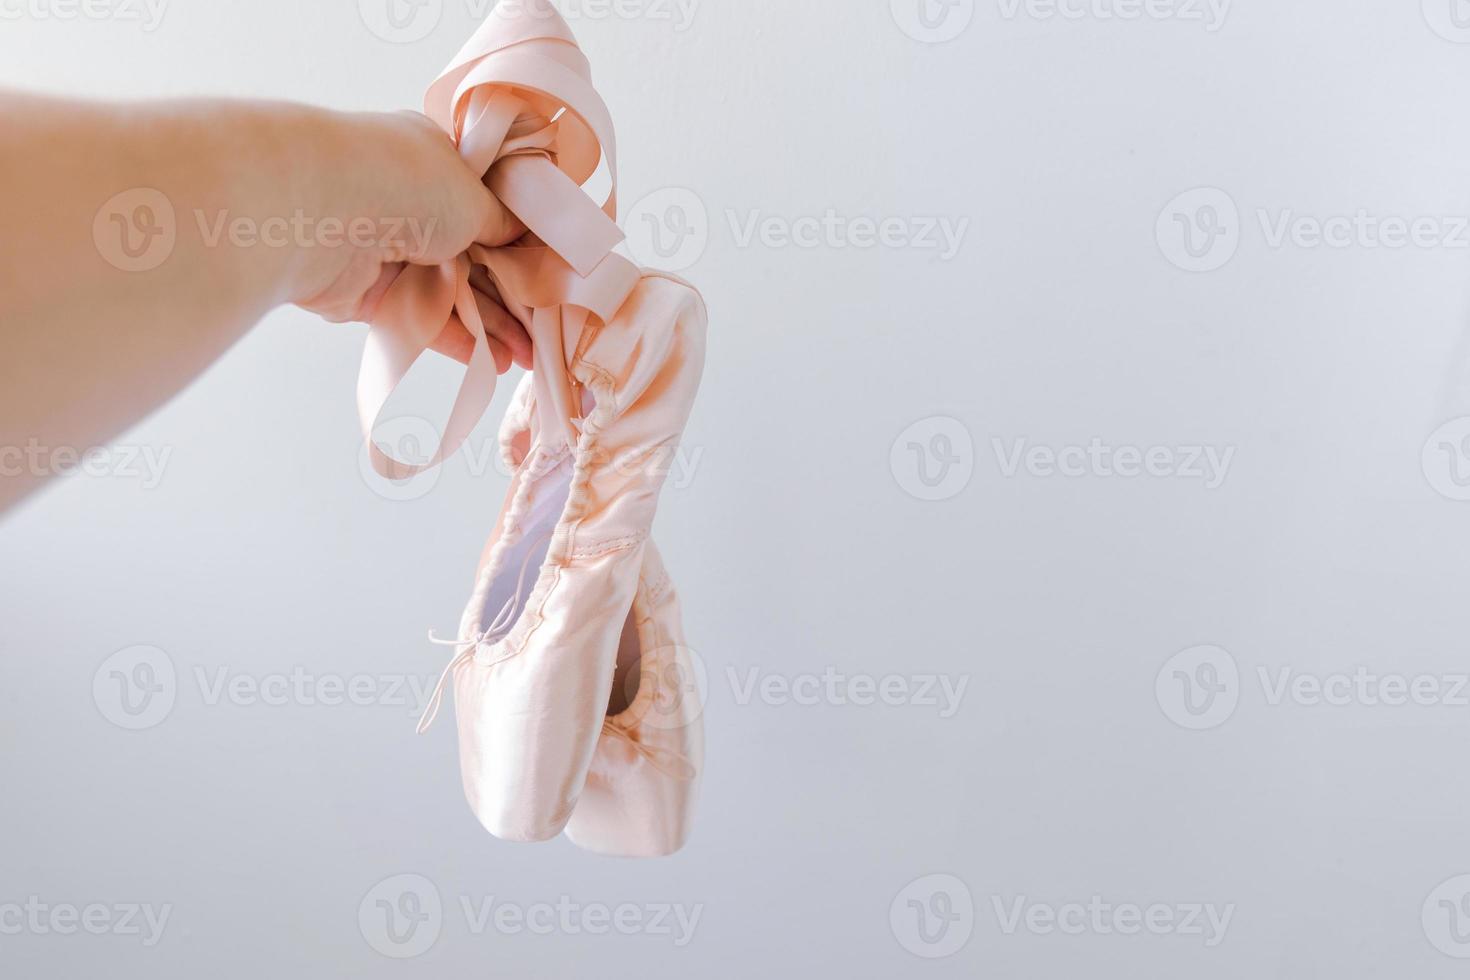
(454, 342)
(374, 296)
(461, 206)
(354, 292)
(509, 343)
(500, 226)
(500, 323)
(505, 330)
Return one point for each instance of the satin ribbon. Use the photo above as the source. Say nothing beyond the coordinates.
(519, 103)
(673, 764)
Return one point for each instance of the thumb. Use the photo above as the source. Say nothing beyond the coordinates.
(500, 226)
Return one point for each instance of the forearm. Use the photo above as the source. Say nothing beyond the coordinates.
(90, 347)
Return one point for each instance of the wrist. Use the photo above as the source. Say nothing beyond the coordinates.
(303, 153)
(338, 225)
(248, 182)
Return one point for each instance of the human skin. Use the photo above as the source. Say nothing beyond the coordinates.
(334, 204)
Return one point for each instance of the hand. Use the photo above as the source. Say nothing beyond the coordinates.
(401, 180)
(91, 347)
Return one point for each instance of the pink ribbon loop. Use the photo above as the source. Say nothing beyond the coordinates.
(520, 105)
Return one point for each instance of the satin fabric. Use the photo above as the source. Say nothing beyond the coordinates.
(519, 103)
(531, 706)
(639, 799)
(618, 353)
(641, 789)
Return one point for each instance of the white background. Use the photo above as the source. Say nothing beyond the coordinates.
(1073, 767)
